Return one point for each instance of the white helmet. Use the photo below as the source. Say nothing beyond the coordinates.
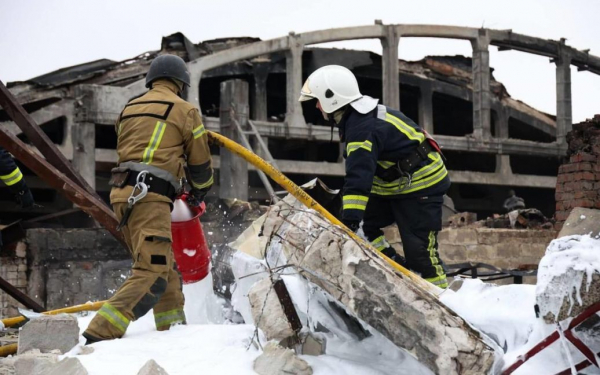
(333, 86)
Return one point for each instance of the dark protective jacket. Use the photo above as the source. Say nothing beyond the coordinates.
(160, 132)
(10, 174)
(375, 142)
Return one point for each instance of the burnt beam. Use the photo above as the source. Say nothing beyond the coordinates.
(89, 203)
(35, 134)
(21, 297)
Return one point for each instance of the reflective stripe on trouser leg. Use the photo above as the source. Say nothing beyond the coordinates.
(114, 317)
(170, 302)
(440, 279)
(166, 319)
(148, 235)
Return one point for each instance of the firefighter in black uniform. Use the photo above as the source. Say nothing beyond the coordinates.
(395, 171)
(12, 177)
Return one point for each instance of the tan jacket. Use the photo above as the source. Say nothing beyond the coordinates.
(162, 130)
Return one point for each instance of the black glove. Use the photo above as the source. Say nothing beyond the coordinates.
(196, 197)
(25, 198)
(393, 255)
(353, 225)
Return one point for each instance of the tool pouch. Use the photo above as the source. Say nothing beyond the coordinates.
(119, 177)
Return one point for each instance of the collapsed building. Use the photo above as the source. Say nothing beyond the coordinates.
(76, 107)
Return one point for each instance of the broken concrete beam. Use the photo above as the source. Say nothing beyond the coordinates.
(49, 332)
(392, 304)
(581, 221)
(277, 360)
(267, 311)
(152, 368)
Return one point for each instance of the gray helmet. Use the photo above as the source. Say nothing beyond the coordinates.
(168, 66)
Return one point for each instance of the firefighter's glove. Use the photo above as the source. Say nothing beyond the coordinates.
(196, 197)
(24, 198)
(393, 255)
(353, 225)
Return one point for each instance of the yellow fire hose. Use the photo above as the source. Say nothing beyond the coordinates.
(309, 202)
(285, 183)
(9, 322)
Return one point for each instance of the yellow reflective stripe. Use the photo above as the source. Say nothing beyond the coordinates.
(159, 131)
(435, 262)
(386, 164)
(407, 130)
(353, 146)
(119, 131)
(169, 317)
(204, 185)
(427, 182)
(437, 162)
(199, 131)
(115, 318)
(12, 178)
(440, 281)
(396, 188)
(355, 202)
(380, 243)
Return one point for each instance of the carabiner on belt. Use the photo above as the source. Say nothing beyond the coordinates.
(133, 198)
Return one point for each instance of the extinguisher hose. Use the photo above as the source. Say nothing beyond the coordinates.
(309, 202)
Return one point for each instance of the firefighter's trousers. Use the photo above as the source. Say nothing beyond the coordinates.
(154, 283)
(419, 221)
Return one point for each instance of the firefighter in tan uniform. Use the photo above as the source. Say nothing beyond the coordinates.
(158, 133)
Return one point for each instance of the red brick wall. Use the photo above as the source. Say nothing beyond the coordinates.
(578, 181)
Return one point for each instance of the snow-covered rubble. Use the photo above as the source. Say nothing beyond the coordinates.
(568, 277)
(214, 343)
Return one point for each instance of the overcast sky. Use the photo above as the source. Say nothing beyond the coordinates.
(38, 36)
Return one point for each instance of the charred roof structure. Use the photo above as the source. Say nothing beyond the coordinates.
(492, 141)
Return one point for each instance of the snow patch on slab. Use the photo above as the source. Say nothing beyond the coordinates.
(577, 255)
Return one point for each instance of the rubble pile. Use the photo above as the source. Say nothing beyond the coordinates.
(368, 289)
(578, 180)
(569, 273)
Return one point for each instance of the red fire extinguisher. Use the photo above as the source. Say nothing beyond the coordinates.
(189, 244)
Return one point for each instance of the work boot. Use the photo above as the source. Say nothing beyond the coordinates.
(89, 339)
(393, 255)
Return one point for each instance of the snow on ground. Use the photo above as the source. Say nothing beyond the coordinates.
(211, 344)
(506, 313)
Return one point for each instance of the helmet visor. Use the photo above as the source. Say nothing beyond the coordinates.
(306, 93)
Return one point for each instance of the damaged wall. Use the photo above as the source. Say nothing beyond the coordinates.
(13, 268)
(503, 248)
(578, 181)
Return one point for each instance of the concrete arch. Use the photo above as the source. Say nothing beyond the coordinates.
(293, 44)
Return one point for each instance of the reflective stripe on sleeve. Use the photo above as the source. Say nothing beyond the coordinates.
(380, 243)
(355, 202)
(199, 131)
(159, 131)
(410, 132)
(168, 318)
(386, 164)
(118, 320)
(203, 185)
(353, 146)
(12, 178)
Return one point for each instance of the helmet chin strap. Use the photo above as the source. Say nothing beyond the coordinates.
(331, 122)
